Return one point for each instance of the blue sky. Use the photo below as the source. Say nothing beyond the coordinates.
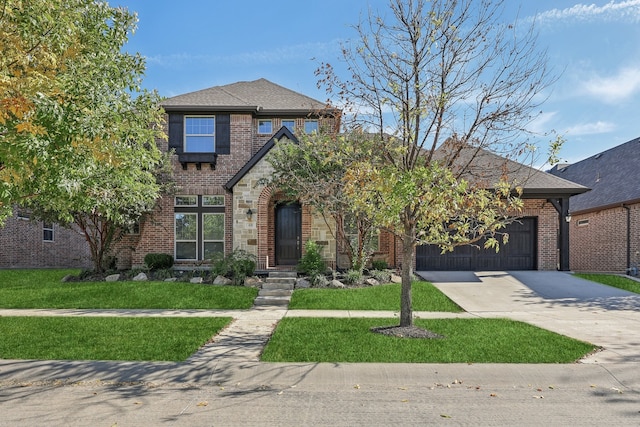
(594, 46)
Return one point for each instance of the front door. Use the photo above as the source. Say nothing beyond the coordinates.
(288, 234)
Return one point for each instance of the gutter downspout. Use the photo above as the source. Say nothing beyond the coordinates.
(628, 209)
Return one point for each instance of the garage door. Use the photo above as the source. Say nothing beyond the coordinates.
(518, 254)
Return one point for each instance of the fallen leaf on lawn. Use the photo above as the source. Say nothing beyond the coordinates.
(280, 392)
(538, 389)
(356, 386)
(551, 387)
(616, 389)
(404, 400)
(221, 388)
(457, 382)
(538, 397)
(203, 403)
(402, 388)
(593, 386)
(493, 395)
(445, 416)
(137, 403)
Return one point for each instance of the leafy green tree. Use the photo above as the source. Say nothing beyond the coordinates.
(77, 132)
(70, 101)
(444, 83)
(312, 171)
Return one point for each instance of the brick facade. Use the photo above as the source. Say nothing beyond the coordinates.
(599, 239)
(22, 246)
(157, 230)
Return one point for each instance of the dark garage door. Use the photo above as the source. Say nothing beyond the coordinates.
(518, 254)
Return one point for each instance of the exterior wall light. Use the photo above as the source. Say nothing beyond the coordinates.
(568, 218)
(249, 214)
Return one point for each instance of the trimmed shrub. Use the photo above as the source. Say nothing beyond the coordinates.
(158, 261)
(311, 262)
(236, 266)
(379, 264)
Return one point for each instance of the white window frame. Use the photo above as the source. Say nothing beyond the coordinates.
(204, 241)
(309, 122)
(265, 121)
(213, 135)
(47, 227)
(176, 240)
(293, 126)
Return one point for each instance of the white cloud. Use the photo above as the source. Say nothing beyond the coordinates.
(591, 128)
(612, 89)
(628, 10)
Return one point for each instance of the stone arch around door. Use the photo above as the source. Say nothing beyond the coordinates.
(266, 223)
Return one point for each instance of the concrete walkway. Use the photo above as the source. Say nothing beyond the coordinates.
(225, 384)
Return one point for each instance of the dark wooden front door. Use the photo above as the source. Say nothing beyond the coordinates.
(288, 234)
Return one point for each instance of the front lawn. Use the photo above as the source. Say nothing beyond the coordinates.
(425, 297)
(466, 341)
(620, 282)
(106, 338)
(43, 289)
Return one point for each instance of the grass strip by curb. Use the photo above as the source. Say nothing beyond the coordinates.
(466, 341)
(613, 280)
(106, 338)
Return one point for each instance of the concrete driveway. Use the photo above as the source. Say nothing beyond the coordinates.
(556, 301)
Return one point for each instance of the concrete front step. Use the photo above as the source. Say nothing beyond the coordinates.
(282, 286)
(280, 280)
(275, 293)
(283, 274)
(272, 300)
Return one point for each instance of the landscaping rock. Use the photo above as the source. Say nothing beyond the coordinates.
(336, 284)
(171, 279)
(221, 280)
(141, 277)
(303, 284)
(371, 282)
(396, 279)
(112, 278)
(252, 282)
(67, 278)
(196, 280)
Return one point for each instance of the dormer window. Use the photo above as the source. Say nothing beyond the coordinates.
(200, 134)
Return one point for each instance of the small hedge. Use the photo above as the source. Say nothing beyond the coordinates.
(158, 261)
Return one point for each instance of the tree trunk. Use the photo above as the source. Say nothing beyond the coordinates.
(406, 310)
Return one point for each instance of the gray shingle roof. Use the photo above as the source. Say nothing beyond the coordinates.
(488, 168)
(612, 176)
(259, 96)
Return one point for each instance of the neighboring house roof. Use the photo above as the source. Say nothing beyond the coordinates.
(611, 174)
(484, 166)
(258, 96)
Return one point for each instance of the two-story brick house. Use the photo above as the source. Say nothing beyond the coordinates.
(219, 137)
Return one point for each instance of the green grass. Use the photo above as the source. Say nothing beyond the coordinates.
(425, 297)
(105, 338)
(43, 289)
(613, 280)
(466, 341)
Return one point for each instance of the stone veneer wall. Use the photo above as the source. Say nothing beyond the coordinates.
(257, 235)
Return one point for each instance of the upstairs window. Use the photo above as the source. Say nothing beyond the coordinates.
(310, 126)
(289, 124)
(265, 127)
(199, 134)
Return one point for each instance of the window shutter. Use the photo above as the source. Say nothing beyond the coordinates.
(176, 132)
(223, 134)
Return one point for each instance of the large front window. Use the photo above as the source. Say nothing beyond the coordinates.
(199, 227)
(199, 134)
